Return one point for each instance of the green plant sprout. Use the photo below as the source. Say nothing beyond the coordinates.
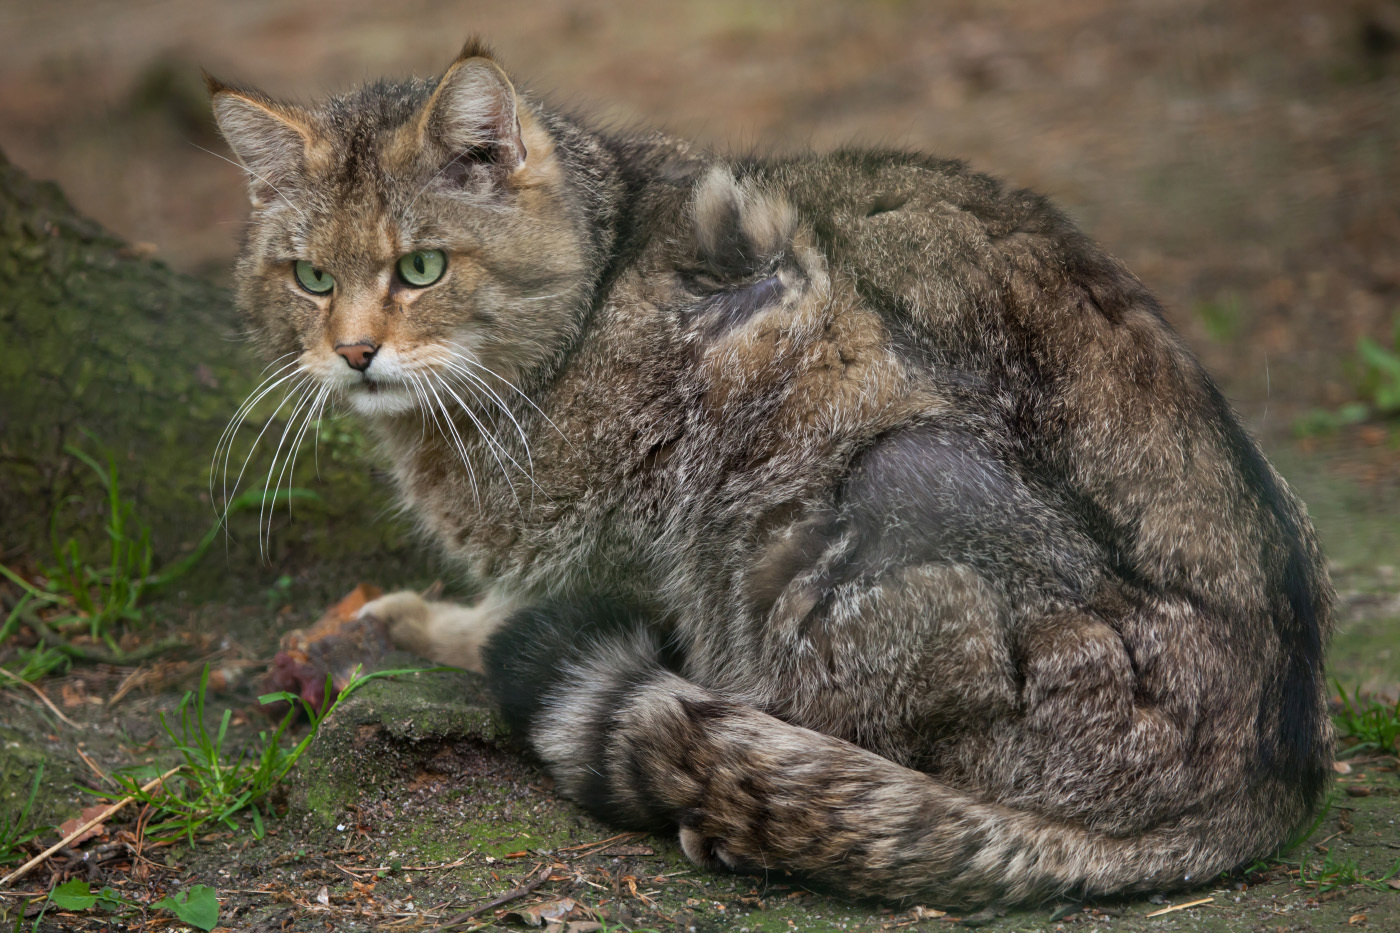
(1336, 872)
(1375, 726)
(1376, 378)
(213, 784)
(1379, 376)
(102, 595)
(13, 833)
(199, 907)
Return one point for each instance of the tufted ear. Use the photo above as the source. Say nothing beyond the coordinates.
(272, 140)
(472, 116)
(739, 229)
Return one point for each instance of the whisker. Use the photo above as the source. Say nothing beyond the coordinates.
(468, 382)
(240, 165)
(544, 297)
(290, 468)
(231, 428)
(421, 401)
(492, 443)
(276, 455)
(471, 359)
(455, 363)
(500, 402)
(461, 450)
(251, 400)
(436, 174)
(226, 442)
(452, 425)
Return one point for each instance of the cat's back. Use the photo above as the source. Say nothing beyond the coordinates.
(977, 281)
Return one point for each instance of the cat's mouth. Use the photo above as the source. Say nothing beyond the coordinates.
(378, 396)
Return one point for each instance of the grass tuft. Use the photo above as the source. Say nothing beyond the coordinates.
(101, 592)
(1337, 872)
(15, 831)
(214, 783)
(1374, 726)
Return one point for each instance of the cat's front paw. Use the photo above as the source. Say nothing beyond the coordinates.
(406, 615)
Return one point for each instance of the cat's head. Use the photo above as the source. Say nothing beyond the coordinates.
(405, 231)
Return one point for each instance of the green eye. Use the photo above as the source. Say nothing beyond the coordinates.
(422, 267)
(312, 279)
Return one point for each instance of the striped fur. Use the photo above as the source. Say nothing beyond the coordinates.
(850, 513)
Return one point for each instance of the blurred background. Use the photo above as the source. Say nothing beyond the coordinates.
(1241, 156)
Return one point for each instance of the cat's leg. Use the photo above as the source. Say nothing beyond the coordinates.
(443, 632)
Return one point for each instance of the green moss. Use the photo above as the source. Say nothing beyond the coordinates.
(379, 734)
(20, 758)
(121, 346)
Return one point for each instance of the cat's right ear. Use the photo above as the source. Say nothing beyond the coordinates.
(473, 114)
(271, 140)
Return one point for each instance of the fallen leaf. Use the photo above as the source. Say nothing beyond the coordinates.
(323, 896)
(1372, 435)
(88, 813)
(1356, 919)
(1341, 767)
(536, 915)
(354, 601)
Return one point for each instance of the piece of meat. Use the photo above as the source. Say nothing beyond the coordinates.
(334, 646)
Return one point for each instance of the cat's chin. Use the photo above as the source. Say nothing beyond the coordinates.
(380, 399)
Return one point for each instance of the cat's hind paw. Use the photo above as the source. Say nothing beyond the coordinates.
(709, 852)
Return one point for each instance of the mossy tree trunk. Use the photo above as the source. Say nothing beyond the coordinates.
(111, 351)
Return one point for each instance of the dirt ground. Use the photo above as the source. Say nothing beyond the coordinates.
(1243, 158)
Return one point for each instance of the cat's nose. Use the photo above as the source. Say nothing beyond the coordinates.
(358, 355)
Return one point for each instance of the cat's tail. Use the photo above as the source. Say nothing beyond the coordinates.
(642, 747)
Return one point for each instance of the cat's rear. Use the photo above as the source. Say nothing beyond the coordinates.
(864, 520)
(1060, 592)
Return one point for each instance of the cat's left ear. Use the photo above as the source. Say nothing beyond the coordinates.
(473, 114)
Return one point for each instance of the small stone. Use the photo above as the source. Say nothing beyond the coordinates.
(979, 919)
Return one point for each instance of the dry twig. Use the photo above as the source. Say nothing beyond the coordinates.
(513, 894)
(1167, 910)
(41, 695)
(101, 775)
(106, 813)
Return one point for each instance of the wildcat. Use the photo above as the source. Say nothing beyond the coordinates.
(850, 513)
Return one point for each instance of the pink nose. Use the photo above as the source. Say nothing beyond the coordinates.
(358, 355)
